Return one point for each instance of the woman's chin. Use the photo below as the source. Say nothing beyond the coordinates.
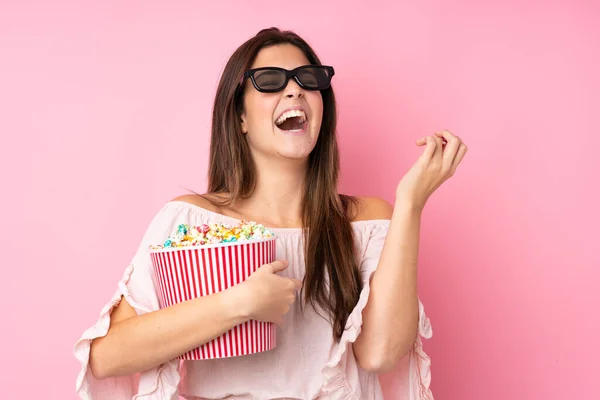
(296, 148)
(296, 154)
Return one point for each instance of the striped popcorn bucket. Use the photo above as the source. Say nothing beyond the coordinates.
(189, 272)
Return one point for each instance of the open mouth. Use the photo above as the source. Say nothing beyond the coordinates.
(292, 121)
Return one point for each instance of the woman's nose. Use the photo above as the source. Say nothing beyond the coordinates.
(293, 90)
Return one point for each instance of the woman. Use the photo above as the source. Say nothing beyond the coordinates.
(274, 160)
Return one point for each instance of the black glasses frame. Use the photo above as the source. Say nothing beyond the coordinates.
(288, 74)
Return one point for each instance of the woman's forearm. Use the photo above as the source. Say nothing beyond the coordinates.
(145, 341)
(390, 318)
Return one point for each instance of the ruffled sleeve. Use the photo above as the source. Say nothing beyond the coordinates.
(343, 378)
(138, 288)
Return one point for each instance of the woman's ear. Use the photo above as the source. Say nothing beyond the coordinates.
(243, 125)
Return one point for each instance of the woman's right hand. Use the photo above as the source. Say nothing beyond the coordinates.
(268, 296)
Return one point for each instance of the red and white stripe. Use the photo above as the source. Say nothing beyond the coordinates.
(190, 272)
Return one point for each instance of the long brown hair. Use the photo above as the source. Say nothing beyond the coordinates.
(332, 279)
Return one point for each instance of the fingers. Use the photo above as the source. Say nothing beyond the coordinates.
(445, 148)
(455, 151)
(429, 149)
(444, 135)
(450, 149)
(462, 150)
(439, 149)
(433, 149)
(277, 266)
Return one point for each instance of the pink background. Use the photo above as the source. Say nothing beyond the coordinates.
(105, 114)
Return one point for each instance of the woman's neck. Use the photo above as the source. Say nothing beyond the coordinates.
(277, 200)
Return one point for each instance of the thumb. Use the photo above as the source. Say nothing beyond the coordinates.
(277, 266)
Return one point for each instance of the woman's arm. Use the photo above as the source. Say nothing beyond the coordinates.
(136, 343)
(390, 318)
(168, 332)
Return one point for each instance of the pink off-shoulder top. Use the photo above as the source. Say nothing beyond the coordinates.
(307, 362)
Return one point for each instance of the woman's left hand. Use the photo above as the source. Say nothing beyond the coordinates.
(438, 162)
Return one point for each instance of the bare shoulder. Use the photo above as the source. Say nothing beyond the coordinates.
(201, 200)
(369, 208)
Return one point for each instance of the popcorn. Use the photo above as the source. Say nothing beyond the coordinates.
(186, 235)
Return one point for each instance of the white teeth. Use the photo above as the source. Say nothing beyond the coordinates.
(290, 114)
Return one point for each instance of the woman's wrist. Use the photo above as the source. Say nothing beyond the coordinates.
(236, 304)
(406, 205)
